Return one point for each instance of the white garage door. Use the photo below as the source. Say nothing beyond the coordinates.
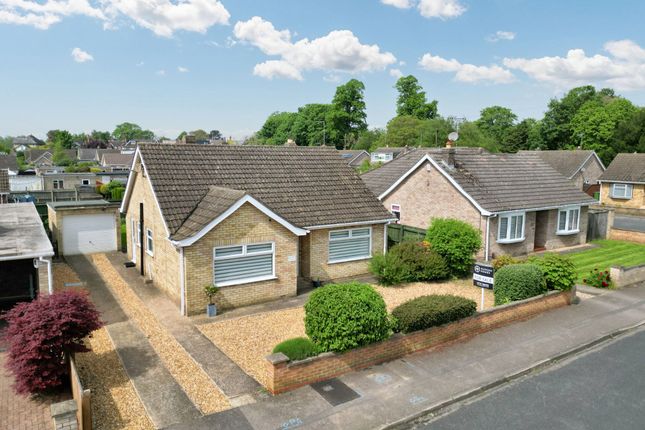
(86, 234)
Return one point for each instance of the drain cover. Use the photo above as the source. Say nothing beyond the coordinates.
(335, 392)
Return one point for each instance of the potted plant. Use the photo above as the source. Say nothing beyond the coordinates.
(211, 291)
(317, 283)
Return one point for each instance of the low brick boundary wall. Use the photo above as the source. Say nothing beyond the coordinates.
(284, 375)
(623, 276)
(626, 235)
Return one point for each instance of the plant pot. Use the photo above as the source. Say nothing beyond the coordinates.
(317, 284)
(211, 310)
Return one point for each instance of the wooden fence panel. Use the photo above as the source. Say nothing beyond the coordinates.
(397, 233)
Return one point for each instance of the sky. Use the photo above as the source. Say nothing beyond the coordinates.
(175, 65)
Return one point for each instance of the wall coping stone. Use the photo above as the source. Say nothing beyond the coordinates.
(63, 408)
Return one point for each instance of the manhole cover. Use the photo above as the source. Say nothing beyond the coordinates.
(335, 391)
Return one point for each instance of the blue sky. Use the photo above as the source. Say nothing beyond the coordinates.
(242, 60)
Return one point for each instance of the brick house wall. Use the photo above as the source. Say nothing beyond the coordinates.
(70, 180)
(246, 225)
(518, 248)
(636, 202)
(592, 171)
(555, 241)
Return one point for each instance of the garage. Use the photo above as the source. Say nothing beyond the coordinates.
(84, 227)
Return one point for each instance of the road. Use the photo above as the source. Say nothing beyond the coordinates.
(632, 223)
(602, 389)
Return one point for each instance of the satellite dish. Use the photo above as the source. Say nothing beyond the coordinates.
(453, 136)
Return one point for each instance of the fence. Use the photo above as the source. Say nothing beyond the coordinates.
(397, 233)
(82, 397)
(600, 221)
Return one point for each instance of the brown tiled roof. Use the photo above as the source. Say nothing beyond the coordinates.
(306, 186)
(118, 159)
(566, 162)
(4, 181)
(625, 168)
(497, 182)
(8, 161)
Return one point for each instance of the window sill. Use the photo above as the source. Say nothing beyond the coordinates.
(150, 253)
(508, 241)
(347, 260)
(246, 281)
(567, 232)
(620, 198)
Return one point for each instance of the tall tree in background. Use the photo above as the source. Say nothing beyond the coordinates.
(520, 136)
(62, 139)
(556, 129)
(277, 128)
(311, 128)
(496, 122)
(347, 115)
(215, 134)
(129, 131)
(412, 99)
(629, 135)
(6, 144)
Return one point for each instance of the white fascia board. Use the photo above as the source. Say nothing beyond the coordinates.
(611, 181)
(349, 224)
(128, 189)
(245, 199)
(546, 208)
(593, 154)
(28, 256)
(444, 173)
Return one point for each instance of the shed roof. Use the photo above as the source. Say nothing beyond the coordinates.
(22, 234)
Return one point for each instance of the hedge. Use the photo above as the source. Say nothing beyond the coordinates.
(409, 262)
(297, 348)
(433, 310)
(559, 271)
(518, 282)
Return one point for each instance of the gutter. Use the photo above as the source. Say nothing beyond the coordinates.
(349, 224)
(182, 283)
(28, 256)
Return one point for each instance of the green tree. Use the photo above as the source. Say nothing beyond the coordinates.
(310, 127)
(517, 137)
(471, 136)
(629, 135)
(496, 121)
(412, 99)
(62, 139)
(59, 157)
(129, 131)
(6, 144)
(200, 134)
(403, 130)
(347, 117)
(99, 139)
(215, 134)
(556, 129)
(370, 139)
(277, 128)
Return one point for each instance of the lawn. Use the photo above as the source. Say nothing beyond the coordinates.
(608, 253)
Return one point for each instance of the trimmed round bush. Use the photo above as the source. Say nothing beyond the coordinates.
(558, 270)
(433, 310)
(297, 348)
(339, 317)
(518, 282)
(456, 241)
(409, 262)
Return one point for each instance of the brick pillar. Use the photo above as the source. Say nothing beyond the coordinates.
(275, 363)
(64, 415)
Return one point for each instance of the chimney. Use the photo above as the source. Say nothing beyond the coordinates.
(449, 143)
(188, 138)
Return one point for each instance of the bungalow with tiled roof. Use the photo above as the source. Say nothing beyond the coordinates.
(254, 220)
(517, 201)
(623, 184)
(354, 157)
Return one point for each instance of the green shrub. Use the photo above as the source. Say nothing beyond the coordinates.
(599, 279)
(409, 262)
(429, 311)
(504, 260)
(339, 317)
(456, 241)
(297, 348)
(518, 282)
(558, 270)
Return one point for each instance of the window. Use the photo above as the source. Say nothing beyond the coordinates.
(511, 228)
(58, 184)
(138, 238)
(568, 220)
(621, 191)
(396, 211)
(243, 263)
(351, 244)
(85, 181)
(149, 242)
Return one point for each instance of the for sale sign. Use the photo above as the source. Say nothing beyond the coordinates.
(483, 275)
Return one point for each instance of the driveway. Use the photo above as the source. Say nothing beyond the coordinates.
(631, 223)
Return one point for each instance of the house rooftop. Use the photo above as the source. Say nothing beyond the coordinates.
(497, 182)
(22, 234)
(118, 159)
(306, 186)
(8, 161)
(625, 168)
(566, 161)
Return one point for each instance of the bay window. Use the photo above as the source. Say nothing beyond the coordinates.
(511, 227)
(569, 220)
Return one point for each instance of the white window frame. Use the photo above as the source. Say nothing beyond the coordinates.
(58, 184)
(85, 182)
(350, 230)
(244, 254)
(395, 208)
(568, 211)
(138, 225)
(626, 188)
(149, 239)
(509, 215)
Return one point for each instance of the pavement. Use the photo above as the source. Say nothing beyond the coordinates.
(628, 222)
(600, 389)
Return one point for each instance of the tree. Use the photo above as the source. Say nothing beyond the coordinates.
(347, 114)
(629, 135)
(98, 139)
(6, 144)
(370, 139)
(60, 138)
(412, 99)
(471, 136)
(496, 121)
(518, 136)
(277, 128)
(310, 127)
(200, 134)
(129, 131)
(42, 333)
(59, 156)
(556, 130)
(215, 134)
(403, 130)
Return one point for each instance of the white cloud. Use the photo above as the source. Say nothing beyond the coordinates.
(333, 78)
(501, 35)
(160, 72)
(339, 51)
(442, 9)
(181, 69)
(466, 72)
(163, 17)
(81, 56)
(396, 73)
(401, 4)
(622, 69)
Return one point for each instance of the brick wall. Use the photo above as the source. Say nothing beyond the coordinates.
(636, 202)
(555, 241)
(246, 225)
(624, 276)
(627, 235)
(284, 375)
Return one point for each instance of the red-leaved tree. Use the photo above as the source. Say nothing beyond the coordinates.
(40, 335)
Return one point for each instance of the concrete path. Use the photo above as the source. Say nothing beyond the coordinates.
(402, 389)
(162, 397)
(234, 383)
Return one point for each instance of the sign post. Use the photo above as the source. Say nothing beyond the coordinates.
(483, 277)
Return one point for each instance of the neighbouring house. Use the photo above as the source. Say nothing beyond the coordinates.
(354, 157)
(518, 202)
(87, 155)
(9, 162)
(84, 227)
(256, 221)
(582, 167)
(25, 254)
(116, 162)
(387, 154)
(25, 182)
(623, 184)
(5, 188)
(67, 181)
(39, 157)
(22, 143)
